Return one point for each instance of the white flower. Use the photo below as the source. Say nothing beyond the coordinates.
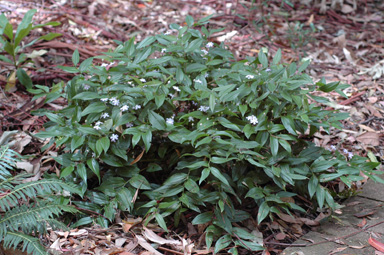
(124, 108)
(190, 119)
(137, 107)
(209, 45)
(206, 75)
(345, 151)
(252, 119)
(97, 127)
(350, 155)
(203, 108)
(98, 123)
(332, 148)
(268, 69)
(204, 51)
(197, 81)
(114, 137)
(105, 115)
(104, 99)
(163, 50)
(171, 95)
(168, 32)
(176, 88)
(129, 125)
(143, 80)
(86, 86)
(93, 154)
(249, 76)
(194, 103)
(112, 99)
(170, 121)
(104, 65)
(115, 102)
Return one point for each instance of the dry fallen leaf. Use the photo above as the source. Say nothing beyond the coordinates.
(146, 245)
(376, 244)
(362, 223)
(369, 138)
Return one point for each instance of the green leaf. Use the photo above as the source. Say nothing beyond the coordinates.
(274, 143)
(8, 31)
(277, 57)
(195, 67)
(203, 218)
(147, 139)
(102, 144)
(194, 45)
(216, 172)
(75, 57)
(24, 24)
(288, 124)
(263, 59)
(212, 102)
(320, 196)
(85, 64)
(222, 243)
(312, 185)
(147, 41)
(97, 107)
(303, 66)
(94, 166)
(156, 120)
(161, 221)
(204, 174)
(285, 145)
(87, 96)
(191, 186)
(82, 172)
(76, 142)
(189, 20)
(66, 171)
(24, 78)
(143, 55)
(50, 36)
(321, 165)
(263, 212)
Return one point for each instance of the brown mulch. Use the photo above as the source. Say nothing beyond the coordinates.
(346, 45)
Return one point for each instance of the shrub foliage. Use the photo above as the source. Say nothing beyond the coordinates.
(174, 124)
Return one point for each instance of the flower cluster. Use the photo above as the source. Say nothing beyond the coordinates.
(114, 138)
(203, 108)
(252, 119)
(97, 125)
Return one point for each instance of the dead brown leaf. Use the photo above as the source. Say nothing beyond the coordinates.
(369, 138)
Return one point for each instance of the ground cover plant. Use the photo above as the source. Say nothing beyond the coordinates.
(174, 124)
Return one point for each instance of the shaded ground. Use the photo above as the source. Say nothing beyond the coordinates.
(344, 44)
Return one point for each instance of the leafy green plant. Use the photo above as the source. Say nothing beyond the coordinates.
(174, 124)
(12, 43)
(27, 209)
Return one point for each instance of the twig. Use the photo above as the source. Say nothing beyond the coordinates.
(171, 251)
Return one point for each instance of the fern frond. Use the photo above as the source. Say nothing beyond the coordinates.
(31, 218)
(8, 159)
(34, 189)
(30, 244)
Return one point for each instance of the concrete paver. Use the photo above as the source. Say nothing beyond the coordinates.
(352, 239)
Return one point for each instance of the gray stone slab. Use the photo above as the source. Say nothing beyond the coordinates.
(340, 226)
(373, 190)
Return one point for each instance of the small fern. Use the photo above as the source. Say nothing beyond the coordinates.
(25, 206)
